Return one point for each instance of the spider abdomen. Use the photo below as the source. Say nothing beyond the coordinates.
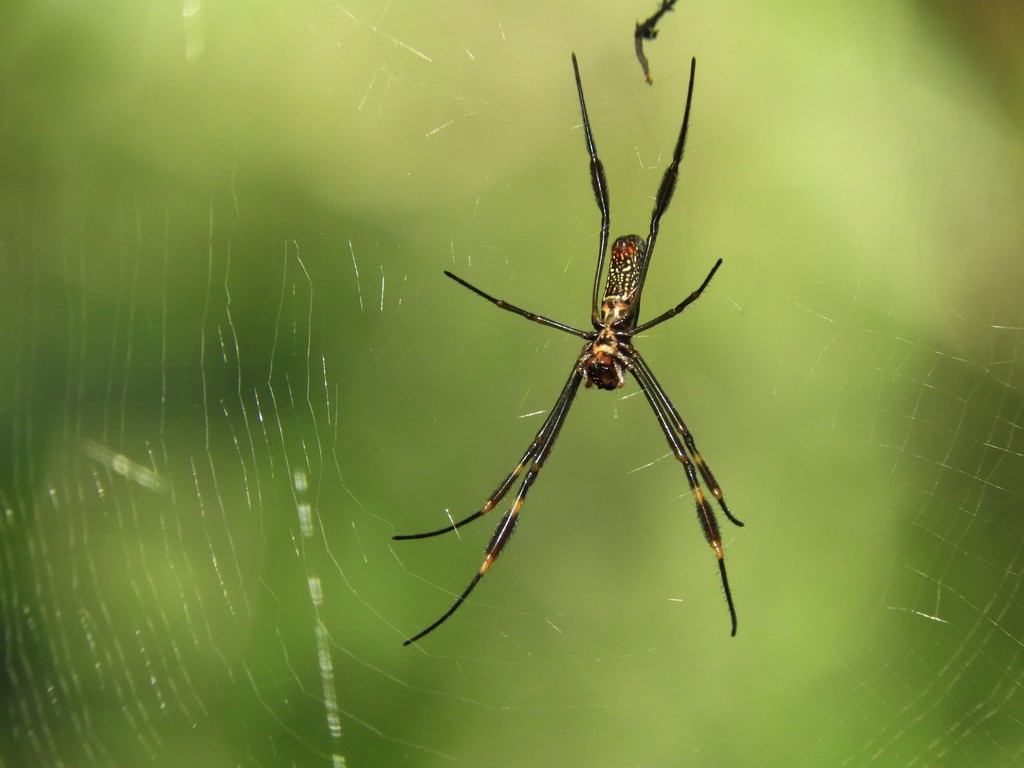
(625, 266)
(625, 273)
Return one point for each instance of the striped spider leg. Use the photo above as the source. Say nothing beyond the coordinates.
(606, 357)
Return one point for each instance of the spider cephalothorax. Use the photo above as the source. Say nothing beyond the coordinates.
(603, 362)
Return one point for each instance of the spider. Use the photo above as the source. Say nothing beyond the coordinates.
(603, 362)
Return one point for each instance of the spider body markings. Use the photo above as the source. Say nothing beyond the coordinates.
(606, 357)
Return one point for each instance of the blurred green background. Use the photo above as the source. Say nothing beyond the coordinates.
(233, 369)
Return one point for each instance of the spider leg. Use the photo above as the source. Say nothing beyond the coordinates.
(681, 305)
(671, 424)
(667, 187)
(600, 185)
(553, 420)
(539, 451)
(502, 304)
(680, 426)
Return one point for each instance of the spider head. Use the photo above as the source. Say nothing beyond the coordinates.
(602, 362)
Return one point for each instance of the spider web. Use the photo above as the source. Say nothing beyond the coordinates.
(234, 369)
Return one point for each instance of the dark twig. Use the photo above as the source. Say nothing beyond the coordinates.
(647, 31)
